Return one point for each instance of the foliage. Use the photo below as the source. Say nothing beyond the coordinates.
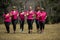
(3, 5)
(52, 8)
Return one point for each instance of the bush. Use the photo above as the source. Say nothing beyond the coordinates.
(53, 19)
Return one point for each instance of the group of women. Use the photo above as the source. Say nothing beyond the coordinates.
(39, 15)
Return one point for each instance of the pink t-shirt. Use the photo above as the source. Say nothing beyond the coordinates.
(22, 17)
(37, 15)
(6, 17)
(30, 14)
(14, 14)
(42, 17)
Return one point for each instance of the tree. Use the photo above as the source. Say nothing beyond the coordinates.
(3, 5)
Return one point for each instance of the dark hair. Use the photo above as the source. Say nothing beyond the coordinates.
(5, 11)
(36, 8)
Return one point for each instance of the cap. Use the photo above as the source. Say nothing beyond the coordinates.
(14, 7)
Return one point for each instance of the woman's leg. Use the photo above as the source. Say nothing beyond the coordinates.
(30, 23)
(14, 25)
(7, 24)
(22, 25)
(41, 26)
(37, 25)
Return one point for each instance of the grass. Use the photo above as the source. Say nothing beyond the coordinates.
(52, 32)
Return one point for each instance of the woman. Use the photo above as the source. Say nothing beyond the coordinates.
(22, 19)
(7, 20)
(30, 14)
(37, 12)
(42, 19)
(14, 15)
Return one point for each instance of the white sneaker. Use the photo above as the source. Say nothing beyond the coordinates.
(20, 30)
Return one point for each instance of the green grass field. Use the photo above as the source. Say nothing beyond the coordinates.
(52, 32)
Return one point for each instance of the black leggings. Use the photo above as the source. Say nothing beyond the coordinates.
(30, 23)
(37, 23)
(22, 24)
(14, 22)
(42, 25)
(7, 24)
